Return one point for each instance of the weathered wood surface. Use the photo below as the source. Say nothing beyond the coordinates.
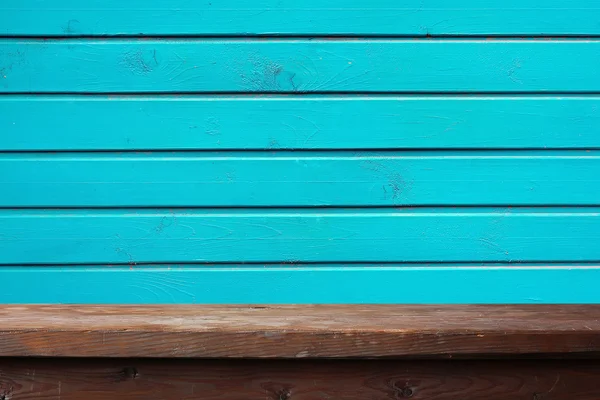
(297, 331)
(60, 379)
(299, 65)
(299, 235)
(283, 122)
(309, 17)
(300, 179)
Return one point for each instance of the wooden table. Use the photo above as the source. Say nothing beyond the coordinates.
(540, 352)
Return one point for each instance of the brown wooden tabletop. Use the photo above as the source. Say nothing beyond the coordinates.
(298, 331)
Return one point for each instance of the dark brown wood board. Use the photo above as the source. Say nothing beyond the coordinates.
(68, 379)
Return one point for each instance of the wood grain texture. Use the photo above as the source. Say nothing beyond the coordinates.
(301, 235)
(303, 380)
(297, 331)
(272, 122)
(258, 66)
(280, 284)
(299, 179)
(311, 17)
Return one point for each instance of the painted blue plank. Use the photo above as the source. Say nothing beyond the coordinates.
(288, 122)
(300, 179)
(130, 65)
(303, 235)
(323, 284)
(312, 17)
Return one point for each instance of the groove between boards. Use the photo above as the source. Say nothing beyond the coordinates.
(359, 153)
(283, 93)
(330, 36)
(320, 264)
(344, 210)
(275, 209)
(295, 151)
(314, 95)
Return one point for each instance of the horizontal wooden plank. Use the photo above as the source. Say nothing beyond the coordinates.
(288, 122)
(299, 379)
(324, 284)
(298, 331)
(129, 65)
(299, 179)
(333, 235)
(311, 17)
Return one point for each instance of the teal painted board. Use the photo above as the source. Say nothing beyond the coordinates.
(325, 284)
(303, 235)
(300, 65)
(267, 179)
(306, 17)
(304, 122)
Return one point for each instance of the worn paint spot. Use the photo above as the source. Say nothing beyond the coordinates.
(15, 59)
(396, 185)
(139, 62)
(513, 70)
(265, 75)
(71, 27)
(213, 127)
(164, 223)
(128, 255)
(273, 144)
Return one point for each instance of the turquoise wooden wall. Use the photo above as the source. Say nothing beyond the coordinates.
(418, 151)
